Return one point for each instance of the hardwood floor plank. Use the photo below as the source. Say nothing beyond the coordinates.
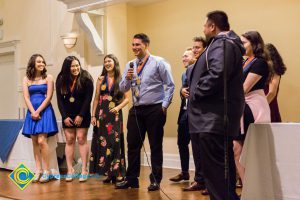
(95, 189)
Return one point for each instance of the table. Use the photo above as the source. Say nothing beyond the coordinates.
(21, 148)
(7, 141)
(271, 157)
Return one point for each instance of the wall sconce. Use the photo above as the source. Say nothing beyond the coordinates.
(69, 40)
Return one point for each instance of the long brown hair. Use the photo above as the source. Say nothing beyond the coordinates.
(279, 67)
(259, 48)
(30, 71)
(117, 76)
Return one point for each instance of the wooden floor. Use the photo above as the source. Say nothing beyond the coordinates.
(95, 189)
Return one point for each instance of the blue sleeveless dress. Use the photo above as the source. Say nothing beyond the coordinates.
(47, 123)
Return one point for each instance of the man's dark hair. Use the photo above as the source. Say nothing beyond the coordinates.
(220, 19)
(142, 36)
(200, 39)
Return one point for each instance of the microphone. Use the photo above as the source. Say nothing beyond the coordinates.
(131, 65)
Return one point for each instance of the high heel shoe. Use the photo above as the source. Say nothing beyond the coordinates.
(45, 177)
(239, 183)
(109, 179)
(69, 177)
(37, 176)
(120, 179)
(83, 176)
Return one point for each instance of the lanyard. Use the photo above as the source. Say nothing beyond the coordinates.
(248, 63)
(109, 87)
(73, 86)
(142, 65)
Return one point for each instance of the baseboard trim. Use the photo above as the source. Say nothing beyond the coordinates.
(171, 161)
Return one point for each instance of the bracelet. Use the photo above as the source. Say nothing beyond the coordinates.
(93, 116)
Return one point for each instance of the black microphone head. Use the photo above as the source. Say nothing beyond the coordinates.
(131, 64)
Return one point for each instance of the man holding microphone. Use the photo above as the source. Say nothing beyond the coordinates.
(150, 80)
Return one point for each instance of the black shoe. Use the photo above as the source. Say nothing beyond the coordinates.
(127, 184)
(205, 192)
(153, 187)
(109, 179)
(195, 186)
(180, 177)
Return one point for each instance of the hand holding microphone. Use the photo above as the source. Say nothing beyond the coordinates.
(130, 71)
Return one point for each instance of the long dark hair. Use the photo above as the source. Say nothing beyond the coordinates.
(257, 44)
(65, 77)
(259, 48)
(30, 71)
(279, 67)
(117, 76)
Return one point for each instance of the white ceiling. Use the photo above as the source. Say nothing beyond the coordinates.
(80, 5)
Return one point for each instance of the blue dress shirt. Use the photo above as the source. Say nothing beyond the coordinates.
(157, 85)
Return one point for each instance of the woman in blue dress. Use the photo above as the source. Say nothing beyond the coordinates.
(40, 121)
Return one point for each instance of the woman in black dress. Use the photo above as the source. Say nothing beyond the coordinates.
(74, 90)
(255, 74)
(107, 151)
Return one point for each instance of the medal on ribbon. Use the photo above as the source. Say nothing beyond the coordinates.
(72, 99)
(109, 88)
(136, 93)
(111, 105)
(138, 81)
(103, 87)
(140, 68)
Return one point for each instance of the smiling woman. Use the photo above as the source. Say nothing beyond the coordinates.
(107, 151)
(40, 121)
(74, 90)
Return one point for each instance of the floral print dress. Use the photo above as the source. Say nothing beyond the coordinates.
(107, 150)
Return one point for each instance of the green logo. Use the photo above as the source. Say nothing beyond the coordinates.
(21, 176)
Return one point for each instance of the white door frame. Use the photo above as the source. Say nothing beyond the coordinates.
(13, 47)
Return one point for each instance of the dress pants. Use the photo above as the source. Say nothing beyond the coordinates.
(197, 159)
(212, 151)
(183, 140)
(142, 119)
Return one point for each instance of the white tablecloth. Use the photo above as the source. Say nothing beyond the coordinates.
(22, 151)
(271, 156)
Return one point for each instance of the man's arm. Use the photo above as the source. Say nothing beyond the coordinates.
(166, 76)
(124, 84)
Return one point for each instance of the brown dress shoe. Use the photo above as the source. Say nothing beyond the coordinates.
(195, 186)
(180, 177)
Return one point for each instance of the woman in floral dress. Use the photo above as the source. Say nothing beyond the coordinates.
(107, 151)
